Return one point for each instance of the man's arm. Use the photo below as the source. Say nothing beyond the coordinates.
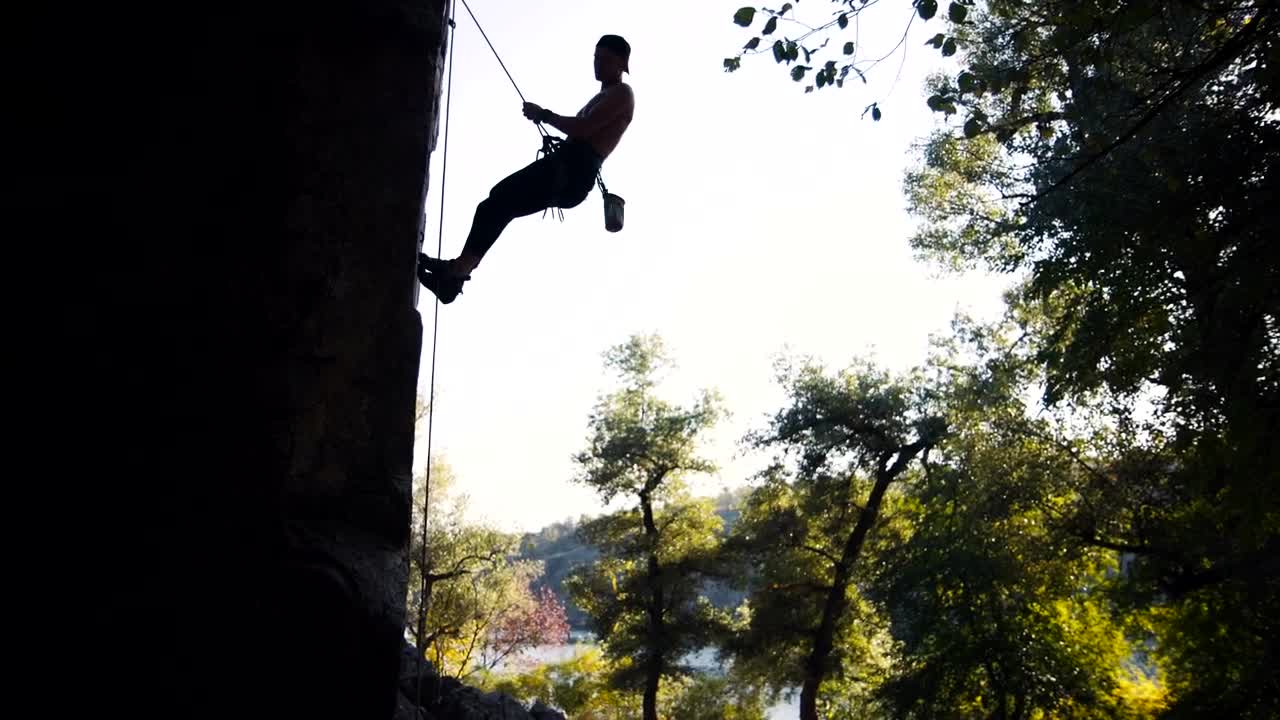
(617, 101)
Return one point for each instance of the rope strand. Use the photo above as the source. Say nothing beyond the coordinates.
(499, 57)
(431, 396)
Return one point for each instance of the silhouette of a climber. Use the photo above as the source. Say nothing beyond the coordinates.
(561, 179)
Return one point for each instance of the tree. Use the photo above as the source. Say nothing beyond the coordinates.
(470, 605)
(482, 608)
(1095, 160)
(849, 436)
(642, 594)
(998, 609)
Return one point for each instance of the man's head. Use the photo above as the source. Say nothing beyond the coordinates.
(613, 55)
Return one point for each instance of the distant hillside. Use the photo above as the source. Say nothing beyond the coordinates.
(557, 546)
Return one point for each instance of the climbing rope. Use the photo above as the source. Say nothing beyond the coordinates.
(549, 144)
(545, 134)
(431, 396)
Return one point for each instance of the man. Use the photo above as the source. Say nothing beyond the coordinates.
(562, 179)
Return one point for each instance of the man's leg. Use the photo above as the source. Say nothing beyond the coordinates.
(522, 193)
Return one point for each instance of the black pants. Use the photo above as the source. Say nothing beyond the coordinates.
(559, 180)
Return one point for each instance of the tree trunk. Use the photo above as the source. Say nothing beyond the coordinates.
(653, 671)
(816, 667)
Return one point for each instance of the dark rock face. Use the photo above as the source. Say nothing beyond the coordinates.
(320, 119)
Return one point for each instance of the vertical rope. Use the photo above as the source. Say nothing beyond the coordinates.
(431, 397)
(499, 57)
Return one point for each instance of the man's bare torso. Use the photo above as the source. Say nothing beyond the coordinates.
(606, 138)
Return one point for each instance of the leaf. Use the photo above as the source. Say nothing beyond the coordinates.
(731, 64)
(967, 82)
(770, 26)
(972, 127)
(806, 54)
(843, 21)
(797, 72)
(949, 47)
(785, 8)
(936, 40)
(927, 8)
(744, 16)
(875, 113)
(752, 44)
(809, 89)
(793, 51)
(778, 53)
(938, 103)
(840, 83)
(821, 79)
(957, 12)
(848, 48)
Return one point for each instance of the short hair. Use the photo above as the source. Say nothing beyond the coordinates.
(620, 47)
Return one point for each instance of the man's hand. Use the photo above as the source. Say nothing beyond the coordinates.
(535, 112)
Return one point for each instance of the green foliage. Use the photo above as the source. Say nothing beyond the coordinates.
(1093, 162)
(560, 550)
(788, 50)
(800, 546)
(580, 687)
(618, 590)
(998, 610)
(479, 599)
(479, 587)
(712, 697)
(643, 594)
(637, 439)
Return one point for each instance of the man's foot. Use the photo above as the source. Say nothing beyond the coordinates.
(446, 288)
(440, 266)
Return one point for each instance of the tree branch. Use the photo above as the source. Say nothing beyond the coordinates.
(1068, 450)
(807, 586)
(1123, 546)
(1225, 54)
(819, 551)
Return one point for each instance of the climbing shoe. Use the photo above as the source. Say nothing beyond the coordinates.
(439, 266)
(445, 287)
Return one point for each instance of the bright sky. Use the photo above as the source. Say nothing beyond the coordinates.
(759, 220)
